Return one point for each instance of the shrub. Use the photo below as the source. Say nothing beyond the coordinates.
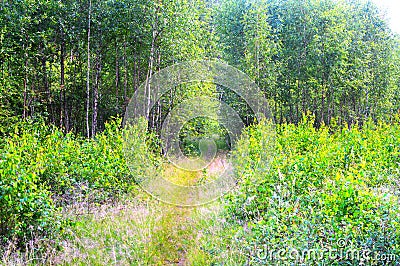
(41, 168)
(26, 206)
(319, 189)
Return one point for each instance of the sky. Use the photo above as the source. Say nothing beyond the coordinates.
(392, 7)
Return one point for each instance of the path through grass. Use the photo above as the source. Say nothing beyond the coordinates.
(144, 231)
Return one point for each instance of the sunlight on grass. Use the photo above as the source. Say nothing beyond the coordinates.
(142, 232)
(180, 176)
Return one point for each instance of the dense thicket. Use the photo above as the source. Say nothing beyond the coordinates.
(333, 58)
(307, 189)
(42, 169)
(76, 63)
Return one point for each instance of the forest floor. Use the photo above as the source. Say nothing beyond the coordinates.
(143, 230)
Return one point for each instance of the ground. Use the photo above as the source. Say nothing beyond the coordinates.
(144, 230)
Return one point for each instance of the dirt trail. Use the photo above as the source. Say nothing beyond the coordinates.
(218, 165)
(184, 216)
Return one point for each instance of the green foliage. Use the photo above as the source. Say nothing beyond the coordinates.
(141, 151)
(199, 129)
(47, 51)
(337, 59)
(26, 206)
(333, 58)
(319, 187)
(41, 168)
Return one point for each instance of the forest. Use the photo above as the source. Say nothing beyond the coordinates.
(120, 120)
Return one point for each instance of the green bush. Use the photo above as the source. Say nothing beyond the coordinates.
(315, 189)
(26, 206)
(41, 169)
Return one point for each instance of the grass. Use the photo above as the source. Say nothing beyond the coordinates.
(135, 233)
(142, 231)
(138, 230)
(180, 176)
(146, 232)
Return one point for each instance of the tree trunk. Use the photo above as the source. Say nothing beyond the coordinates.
(125, 77)
(24, 114)
(88, 73)
(62, 80)
(96, 92)
(147, 90)
(116, 75)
